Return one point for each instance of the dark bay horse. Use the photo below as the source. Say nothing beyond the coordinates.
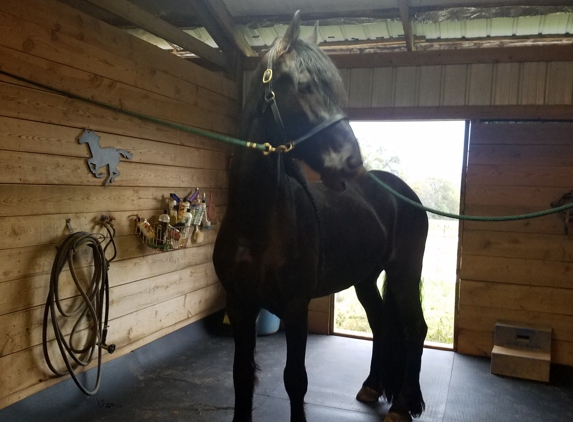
(284, 241)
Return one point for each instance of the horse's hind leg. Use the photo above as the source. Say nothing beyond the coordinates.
(402, 298)
(370, 299)
(243, 320)
(295, 377)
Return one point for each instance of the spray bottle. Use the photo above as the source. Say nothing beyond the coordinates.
(163, 226)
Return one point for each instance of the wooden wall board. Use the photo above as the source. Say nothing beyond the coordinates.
(22, 329)
(28, 292)
(506, 83)
(533, 83)
(25, 368)
(477, 318)
(151, 293)
(538, 197)
(21, 200)
(59, 18)
(30, 168)
(360, 89)
(35, 105)
(523, 133)
(112, 93)
(480, 90)
(551, 224)
(454, 85)
(406, 86)
(26, 136)
(34, 388)
(559, 83)
(550, 177)
(382, 87)
(550, 300)
(521, 155)
(460, 112)
(22, 231)
(320, 304)
(36, 261)
(526, 272)
(19, 34)
(430, 86)
(481, 344)
(318, 322)
(517, 245)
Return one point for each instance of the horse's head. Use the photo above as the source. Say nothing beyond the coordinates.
(87, 137)
(296, 94)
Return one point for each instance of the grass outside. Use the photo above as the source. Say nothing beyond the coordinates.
(438, 288)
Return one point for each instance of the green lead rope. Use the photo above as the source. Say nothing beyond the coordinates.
(266, 148)
(471, 217)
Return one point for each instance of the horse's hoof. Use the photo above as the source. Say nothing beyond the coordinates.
(367, 395)
(398, 417)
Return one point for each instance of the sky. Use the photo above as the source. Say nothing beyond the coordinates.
(425, 148)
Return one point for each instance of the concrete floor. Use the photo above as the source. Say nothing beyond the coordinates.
(186, 376)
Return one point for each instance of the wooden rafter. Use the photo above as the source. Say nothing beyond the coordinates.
(219, 22)
(162, 29)
(407, 24)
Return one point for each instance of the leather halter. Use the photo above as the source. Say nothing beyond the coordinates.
(270, 100)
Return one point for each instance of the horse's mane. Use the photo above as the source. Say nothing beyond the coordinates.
(310, 57)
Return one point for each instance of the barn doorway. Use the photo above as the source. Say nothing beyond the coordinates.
(428, 155)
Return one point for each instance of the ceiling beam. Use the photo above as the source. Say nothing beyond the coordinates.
(407, 24)
(217, 19)
(162, 29)
(546, 53)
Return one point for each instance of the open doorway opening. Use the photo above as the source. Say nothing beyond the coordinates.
(428, 155)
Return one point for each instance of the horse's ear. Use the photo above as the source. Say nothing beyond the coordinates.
(291, 35)
(313, 36)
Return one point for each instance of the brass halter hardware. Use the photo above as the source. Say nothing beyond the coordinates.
(267, 76)
(270, 101)
(281, 148)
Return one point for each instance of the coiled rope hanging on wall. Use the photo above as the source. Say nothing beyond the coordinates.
(266, 149)
(87, 313)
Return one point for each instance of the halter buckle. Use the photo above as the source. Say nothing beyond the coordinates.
(267, 76)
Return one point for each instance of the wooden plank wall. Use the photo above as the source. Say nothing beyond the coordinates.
(44, 179)
(483, 84)
(517, 271)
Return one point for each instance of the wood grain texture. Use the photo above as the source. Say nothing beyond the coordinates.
(41, 106)
(105, 91)
(27, 367)
(525, 272)
(59, 18)
(44, 179)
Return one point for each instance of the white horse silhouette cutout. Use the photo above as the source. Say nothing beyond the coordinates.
(102, 157)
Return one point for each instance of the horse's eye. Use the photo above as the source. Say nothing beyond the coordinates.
(305, 88)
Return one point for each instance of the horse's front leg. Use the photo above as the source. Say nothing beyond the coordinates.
(409, 401)
(295, 378)
(93, 165)
(243, 318)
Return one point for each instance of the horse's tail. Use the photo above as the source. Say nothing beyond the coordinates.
(124, 153)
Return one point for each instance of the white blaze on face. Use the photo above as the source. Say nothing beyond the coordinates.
(337, 160)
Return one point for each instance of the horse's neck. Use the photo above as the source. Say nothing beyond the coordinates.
(256, 177)
(93, 146)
